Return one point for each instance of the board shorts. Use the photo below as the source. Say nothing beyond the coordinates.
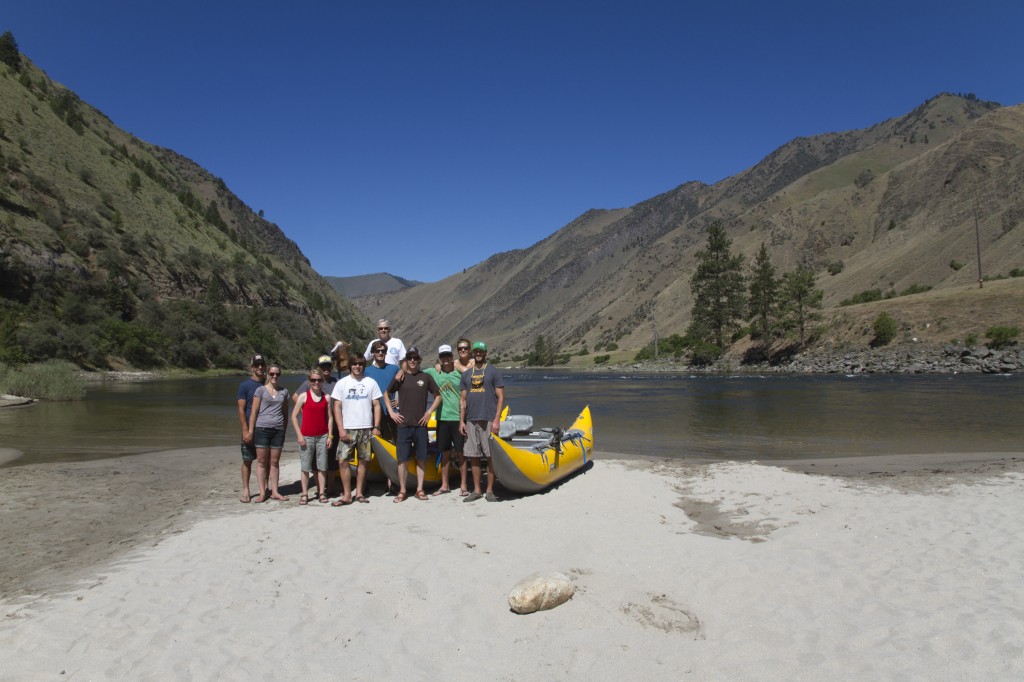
(313, 452)
(449, 437)
(478, 435)
(248, 451)
(410, 437)
(358, 443)
(268, 437)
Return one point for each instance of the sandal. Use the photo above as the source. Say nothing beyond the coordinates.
(304, 499)
(420, 495)
(323, 499)
(340, 502)
(400, 498)
(441, 491)
(362, 499)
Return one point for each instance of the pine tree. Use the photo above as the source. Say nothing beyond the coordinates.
(764, 290)
(9, 53)
(799, 299)
(719, 291)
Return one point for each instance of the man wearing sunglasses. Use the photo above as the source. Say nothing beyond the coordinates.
(246, 391)
(357, 416)
(395, 348)
(381, 372)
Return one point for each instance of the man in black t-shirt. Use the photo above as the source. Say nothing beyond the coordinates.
(411, 417)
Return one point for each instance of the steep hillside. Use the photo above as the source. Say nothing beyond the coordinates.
(118, 252)
(886, 207)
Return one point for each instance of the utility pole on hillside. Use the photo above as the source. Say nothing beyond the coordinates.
(977, 243)
(654, 325)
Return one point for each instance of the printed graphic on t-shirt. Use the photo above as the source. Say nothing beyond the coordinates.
(476, 382)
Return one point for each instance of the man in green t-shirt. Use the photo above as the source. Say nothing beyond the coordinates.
(449, 439)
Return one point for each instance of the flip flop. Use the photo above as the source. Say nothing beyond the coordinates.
(362, 499)
(303, 499)
(463, 493)
(400, 498)
(245, 500)
(340, 503)
(441, 492)
(420, 495)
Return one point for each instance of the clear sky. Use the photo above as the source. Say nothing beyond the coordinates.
(455, 130)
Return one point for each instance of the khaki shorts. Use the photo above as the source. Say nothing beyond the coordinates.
(478, 436)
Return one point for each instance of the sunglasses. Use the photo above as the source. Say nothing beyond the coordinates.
(275, 374)
(445, 355)
(412, 359)
(383, 329)
(380, 350)
(463, 348)
(357, 364)
(315, 381)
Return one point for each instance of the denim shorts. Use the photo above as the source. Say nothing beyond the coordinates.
(313, 452)
(268, 437)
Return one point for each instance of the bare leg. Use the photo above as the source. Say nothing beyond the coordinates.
(275, 474)
(403, 471)
(262, 466)
(360, 478)
(446, 458)
(476, 475)
(490, 476)
(463, 473)
(346, 482)
(321, 482)
(305, 484)
(246, 477)
(420, 475)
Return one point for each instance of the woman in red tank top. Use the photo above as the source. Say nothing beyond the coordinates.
(314, 434)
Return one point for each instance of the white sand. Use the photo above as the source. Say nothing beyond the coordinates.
(782, 576)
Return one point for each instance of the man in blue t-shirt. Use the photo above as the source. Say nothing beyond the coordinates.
(246, 391)
(382, 372)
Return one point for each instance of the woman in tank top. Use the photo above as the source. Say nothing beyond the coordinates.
(314, 434)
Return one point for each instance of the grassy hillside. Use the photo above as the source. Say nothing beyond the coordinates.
(117, 252)
(891, 207)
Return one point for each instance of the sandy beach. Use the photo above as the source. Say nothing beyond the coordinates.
(884, 568)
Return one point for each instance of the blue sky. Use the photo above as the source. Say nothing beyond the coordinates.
(451, 131)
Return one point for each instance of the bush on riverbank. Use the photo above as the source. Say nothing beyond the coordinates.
(50, 380)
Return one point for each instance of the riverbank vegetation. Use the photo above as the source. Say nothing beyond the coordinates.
(51, 380)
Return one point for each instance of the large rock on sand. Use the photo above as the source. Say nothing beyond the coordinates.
(540, 592)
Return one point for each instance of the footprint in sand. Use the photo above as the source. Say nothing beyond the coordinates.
(663, 613)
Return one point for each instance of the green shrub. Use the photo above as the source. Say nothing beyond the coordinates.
(836, 267)
(1001, 337)
(702, 354)
(601, 359)
(1017, 272)
(611, 346)
(885, 328)
(955, 264)
(867, 296)
(971, 340)
(915, 289)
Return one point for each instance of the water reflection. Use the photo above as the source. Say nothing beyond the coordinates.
(740, 417)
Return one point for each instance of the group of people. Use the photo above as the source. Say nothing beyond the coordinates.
(386, 393)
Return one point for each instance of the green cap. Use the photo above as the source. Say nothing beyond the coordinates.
(479, 345)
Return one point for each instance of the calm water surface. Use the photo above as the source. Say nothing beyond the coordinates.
(734, 417)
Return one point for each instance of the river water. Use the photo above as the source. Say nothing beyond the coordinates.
(666, 415)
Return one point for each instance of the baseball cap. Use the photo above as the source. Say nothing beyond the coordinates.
(257, 359)
(479, 345)
(444, 348)
(324, 360)
(414, 351)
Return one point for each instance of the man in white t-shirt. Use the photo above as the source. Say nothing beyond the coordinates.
(357, 416)
(396, 349)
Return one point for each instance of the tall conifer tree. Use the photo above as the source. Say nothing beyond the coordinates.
(719, 292)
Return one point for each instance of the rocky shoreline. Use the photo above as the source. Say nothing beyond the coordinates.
(906, 359)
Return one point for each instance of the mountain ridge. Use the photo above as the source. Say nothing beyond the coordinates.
(863, 203)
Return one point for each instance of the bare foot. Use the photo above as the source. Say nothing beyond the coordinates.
(246, 497)
(279, 496)
(261, 498)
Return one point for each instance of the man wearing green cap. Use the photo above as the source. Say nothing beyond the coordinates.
(482, 397)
